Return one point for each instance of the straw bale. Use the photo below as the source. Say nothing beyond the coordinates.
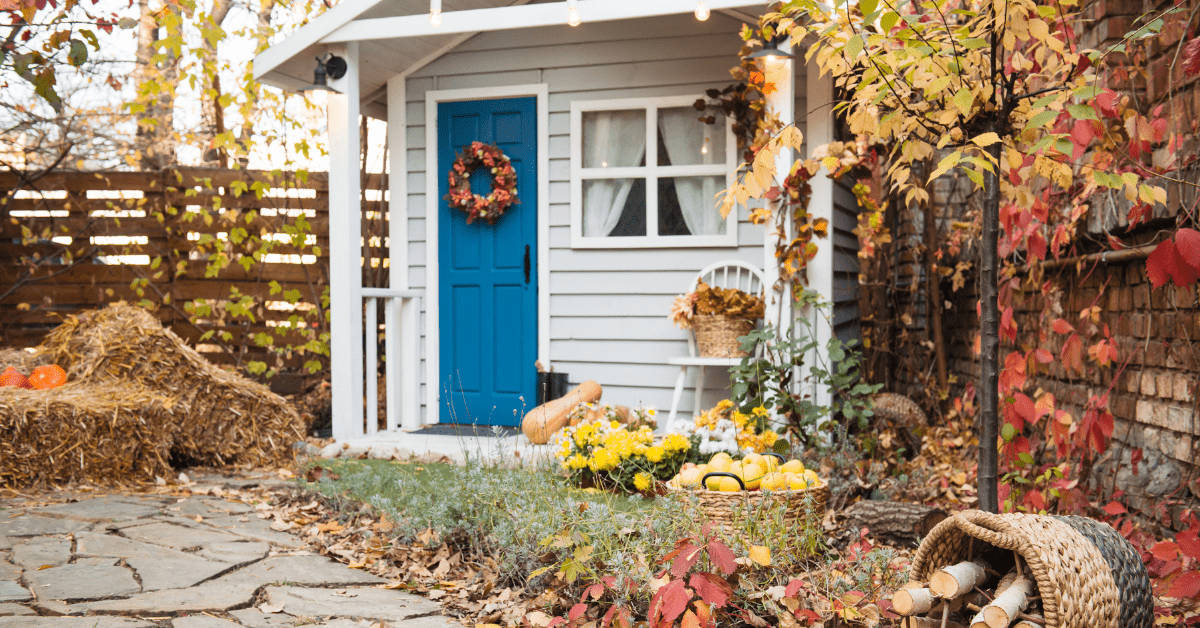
(228, 418)
(84, 431)
(20, 359)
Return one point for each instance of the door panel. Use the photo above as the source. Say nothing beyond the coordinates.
(488, 303)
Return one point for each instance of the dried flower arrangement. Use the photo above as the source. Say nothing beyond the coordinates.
(710, 300)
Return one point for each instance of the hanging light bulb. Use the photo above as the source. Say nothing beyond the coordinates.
(435, 13)
(573, 17)
(702, 11)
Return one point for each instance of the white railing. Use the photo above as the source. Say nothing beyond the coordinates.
(402, 350)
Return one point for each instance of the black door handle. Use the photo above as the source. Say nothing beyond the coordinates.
(527, 264)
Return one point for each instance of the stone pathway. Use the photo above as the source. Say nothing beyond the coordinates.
(155, 561)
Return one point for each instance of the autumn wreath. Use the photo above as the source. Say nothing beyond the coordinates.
(504, 183)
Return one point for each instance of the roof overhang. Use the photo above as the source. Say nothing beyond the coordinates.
(412, 42)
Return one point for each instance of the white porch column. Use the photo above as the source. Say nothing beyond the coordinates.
(345, 251)
(404, 356)
(820, 270)
(781, 102)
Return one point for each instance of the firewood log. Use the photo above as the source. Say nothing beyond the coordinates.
(895, 523)
(1004, 609)
(927, 622)
(543, 421)
(956, 580)
(912, 601)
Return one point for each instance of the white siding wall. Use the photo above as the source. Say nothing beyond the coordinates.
(608, 308)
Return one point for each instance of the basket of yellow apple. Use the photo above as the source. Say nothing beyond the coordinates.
(728, 488)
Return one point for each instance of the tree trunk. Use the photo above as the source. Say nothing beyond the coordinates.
(895, 523)
(933, 292)
(989, 341)
(156, 142)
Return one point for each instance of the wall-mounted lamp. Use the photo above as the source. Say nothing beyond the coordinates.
(770, 50)
(702, 11)
(573, 17)
(329, 66)
(435, 13)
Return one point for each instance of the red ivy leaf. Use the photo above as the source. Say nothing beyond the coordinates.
(594, 591)
(1189, 542)
(1191, 58)
(1158, 261)
(1185, 585)
(1062, 327)
(1072, 353)
(793, 588)
(1187, 244)
(722, 557)
(685, 559)
(711, 588)
(576, 612)
(1008, 327)
(668, 603)
(1115, 508)
(1135, 457)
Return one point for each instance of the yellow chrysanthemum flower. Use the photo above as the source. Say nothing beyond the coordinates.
(655, 454)
(643, 481)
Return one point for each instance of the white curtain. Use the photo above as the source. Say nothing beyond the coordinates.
(686, 138)
(611, 139)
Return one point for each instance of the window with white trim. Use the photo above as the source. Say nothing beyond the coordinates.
(646, 172)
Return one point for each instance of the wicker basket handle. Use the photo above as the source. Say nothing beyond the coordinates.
(778, 456)
(977, 523)
(723, 474)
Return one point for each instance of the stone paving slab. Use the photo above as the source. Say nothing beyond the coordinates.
(430, 621)
(254, 528)
(208, 597)
(74, 622)
(108, 508)
(310, 570)
(12, 592)
(176, 536)
(30, 525)
(202, 621)
(254, 618)
(207, 507)
(8, 610)
(39, 552)
(356, 602)
(82, 582)
(5, 543)
(9, 571)
(174, 573)
(236, 552)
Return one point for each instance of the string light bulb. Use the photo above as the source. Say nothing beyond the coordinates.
(702, 12)
(435, 13)
(573, 17)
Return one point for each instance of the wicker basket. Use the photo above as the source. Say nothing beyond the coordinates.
(1087, 574)
(726, 508)
(717, 335)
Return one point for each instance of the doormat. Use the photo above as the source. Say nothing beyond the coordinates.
(458, 429)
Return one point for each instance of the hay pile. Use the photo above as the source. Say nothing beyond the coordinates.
(137, 398)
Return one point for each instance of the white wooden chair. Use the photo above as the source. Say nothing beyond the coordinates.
(724, 274)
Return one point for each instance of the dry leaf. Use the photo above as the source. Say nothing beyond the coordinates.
(761, 555)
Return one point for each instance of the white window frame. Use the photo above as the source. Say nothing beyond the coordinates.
(651, 172)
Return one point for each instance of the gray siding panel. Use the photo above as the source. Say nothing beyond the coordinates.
(609, 308)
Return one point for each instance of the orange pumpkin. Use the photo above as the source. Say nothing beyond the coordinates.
(47, 377)
(13, 377)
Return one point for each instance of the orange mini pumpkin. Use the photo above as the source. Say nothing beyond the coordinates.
(47, 377)
(13, 377)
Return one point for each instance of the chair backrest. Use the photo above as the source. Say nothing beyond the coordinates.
(731, 273)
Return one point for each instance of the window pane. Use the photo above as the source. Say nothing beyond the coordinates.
(688, 140)
(614, 207)
(688, 206)
(613, 139)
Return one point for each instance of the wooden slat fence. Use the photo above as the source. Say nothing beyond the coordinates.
(74, 241)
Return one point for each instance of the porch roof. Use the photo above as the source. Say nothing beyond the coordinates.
(396, 37)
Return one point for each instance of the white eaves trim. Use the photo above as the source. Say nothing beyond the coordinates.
(527, 16)
(310, 34)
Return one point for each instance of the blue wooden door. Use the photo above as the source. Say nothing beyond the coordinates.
(488, 273)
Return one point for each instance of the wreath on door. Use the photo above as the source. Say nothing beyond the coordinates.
(504, 183)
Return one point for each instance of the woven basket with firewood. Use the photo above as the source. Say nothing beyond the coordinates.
(981, 570)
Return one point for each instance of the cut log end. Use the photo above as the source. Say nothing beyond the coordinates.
(926, 622)
(1007, 605)
(912, 601)
(956, 580)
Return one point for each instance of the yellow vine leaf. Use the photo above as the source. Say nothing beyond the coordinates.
(986, 139)
(761, 555)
